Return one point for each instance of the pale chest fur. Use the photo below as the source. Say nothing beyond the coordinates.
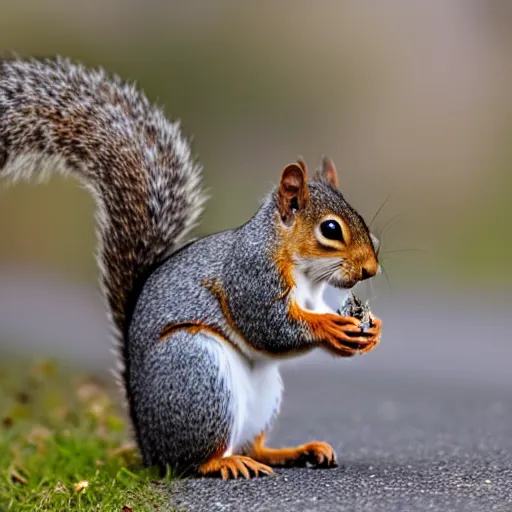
(255, 389)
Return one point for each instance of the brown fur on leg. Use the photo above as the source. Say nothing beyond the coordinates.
(317, 453)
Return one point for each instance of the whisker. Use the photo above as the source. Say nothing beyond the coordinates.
(322, 270)
(328, 273)
(318, 278)
(374, 218)
(397, 219)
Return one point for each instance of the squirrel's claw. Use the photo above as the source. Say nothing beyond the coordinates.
(373, 335)
(343, 336)
(319, 454)
(232, 466)
(316, 453)
(344, 342)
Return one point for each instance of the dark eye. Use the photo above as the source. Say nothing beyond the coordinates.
(331, 230)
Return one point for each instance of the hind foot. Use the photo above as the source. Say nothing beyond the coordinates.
(316, 453)
(233, 466)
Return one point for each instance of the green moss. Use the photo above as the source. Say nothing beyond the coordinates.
(64, 446)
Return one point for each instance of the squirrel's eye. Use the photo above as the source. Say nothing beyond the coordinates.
(331, 230)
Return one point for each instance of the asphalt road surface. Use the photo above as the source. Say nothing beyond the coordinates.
(403, 444)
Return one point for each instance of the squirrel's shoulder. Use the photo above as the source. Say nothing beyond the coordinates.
(180, 278)
(184, 281)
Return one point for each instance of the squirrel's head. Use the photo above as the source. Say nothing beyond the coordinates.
(321, 234)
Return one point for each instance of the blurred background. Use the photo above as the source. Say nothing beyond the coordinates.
(412, 100)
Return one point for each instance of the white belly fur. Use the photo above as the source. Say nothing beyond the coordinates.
(256, 390)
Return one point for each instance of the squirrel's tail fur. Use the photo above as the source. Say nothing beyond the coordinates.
(59, 116)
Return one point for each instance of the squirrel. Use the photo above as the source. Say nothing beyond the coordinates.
(202, 324)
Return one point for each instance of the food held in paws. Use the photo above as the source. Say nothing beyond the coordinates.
(355, 307)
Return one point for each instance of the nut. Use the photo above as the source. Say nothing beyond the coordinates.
(354, 307)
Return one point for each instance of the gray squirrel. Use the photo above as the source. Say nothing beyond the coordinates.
(202, 325)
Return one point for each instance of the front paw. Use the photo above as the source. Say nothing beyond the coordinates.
(373, 334)
(318, 454)
(343, 335)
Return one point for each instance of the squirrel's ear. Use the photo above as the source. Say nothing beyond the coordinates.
(328, 173)
(293, 190)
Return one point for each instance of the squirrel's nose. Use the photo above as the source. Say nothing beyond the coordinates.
(366, 273)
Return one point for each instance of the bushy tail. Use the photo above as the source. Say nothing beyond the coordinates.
(59, 116)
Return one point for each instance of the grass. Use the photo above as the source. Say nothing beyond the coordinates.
(64, 445)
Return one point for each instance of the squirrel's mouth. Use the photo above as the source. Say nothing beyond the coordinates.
(338, 281)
